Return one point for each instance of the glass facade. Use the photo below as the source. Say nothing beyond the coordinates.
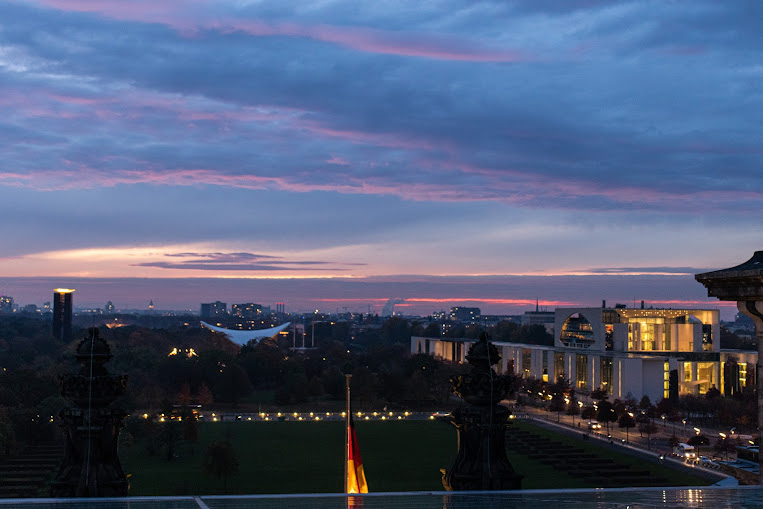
(577, 332)
(581, 371)
(606, 374)
(526, 362)
(558, 365)
(706, 376)
(742, 375)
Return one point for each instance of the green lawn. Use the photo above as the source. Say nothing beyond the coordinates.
(299, 457)
(307, 457)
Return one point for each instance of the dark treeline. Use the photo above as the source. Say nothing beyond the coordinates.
(218, 374)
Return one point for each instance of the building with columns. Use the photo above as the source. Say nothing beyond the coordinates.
(625, 351)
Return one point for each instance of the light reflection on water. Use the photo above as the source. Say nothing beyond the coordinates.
(742, 497)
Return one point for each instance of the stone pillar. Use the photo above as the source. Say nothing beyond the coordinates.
(481, 463)
(91, 425)
(744, 284)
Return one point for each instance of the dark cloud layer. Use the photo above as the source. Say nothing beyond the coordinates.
(251, 262)
(156, 94)
(364, 125)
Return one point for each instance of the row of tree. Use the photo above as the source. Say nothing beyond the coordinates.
(188, 365)
(739, 411)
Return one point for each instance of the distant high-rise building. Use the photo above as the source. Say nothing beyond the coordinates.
(109, 308)
(467, 315)
(62, 314)
(248, 310)
(6, 304)
(214, 309)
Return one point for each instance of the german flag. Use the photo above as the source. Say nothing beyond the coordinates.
(356, 478)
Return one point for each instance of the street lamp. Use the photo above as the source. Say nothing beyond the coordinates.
(724, 446)
(626, 428)
(684, 421)
(663, 420)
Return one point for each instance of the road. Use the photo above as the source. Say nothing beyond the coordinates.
(658, 442)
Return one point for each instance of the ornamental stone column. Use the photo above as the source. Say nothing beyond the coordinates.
(91, 423)
(481, 463)
(744, 284)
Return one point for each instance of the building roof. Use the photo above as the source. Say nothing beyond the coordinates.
(742, 282)
(242, 337)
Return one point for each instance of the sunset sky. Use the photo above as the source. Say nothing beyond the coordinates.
(335, 154)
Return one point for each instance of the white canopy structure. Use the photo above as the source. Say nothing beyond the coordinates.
(242, 337)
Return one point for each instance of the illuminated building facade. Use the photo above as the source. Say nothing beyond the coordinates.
(465, 315)
(624, 351)
(62, 314)
(248, 310)
(6, 304)
(214, 309)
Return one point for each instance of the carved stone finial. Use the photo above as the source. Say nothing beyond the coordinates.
(91, 425)
(481, 463)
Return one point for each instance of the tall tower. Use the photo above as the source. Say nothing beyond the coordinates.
(62, 314)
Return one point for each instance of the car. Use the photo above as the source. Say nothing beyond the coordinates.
(707, 462)
(594, 425)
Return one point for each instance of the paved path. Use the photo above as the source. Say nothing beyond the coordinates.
(658, 442)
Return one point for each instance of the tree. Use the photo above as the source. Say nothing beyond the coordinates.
(534, 335)
(606, 413)
(220, 461)
(573, 408)
(557, 404)
(396, 330)
(646, 426)
(626, 421)
(170, 437)
(725, 445)
(558, 392)
(588, 412)
(433, 330)
(698, 440)
(184, 396)
(205, 396)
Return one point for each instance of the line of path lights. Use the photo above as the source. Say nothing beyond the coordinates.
(307, 416)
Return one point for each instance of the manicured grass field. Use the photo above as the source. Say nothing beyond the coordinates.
(299, 457)
(307, 457)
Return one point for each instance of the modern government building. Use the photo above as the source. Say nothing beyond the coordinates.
(626, 351)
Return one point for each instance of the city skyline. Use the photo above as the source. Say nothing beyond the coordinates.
(498, 296)
(341, 154)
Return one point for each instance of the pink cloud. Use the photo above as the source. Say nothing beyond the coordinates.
(177, 15)
(337, 160)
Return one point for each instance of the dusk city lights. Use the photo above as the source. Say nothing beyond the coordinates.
(497, 247)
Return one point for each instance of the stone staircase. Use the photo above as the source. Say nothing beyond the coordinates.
(577, 462)
(29, 474)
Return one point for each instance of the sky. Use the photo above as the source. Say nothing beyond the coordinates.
(336, 154)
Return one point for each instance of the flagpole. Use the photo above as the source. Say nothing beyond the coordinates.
(347, 433)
